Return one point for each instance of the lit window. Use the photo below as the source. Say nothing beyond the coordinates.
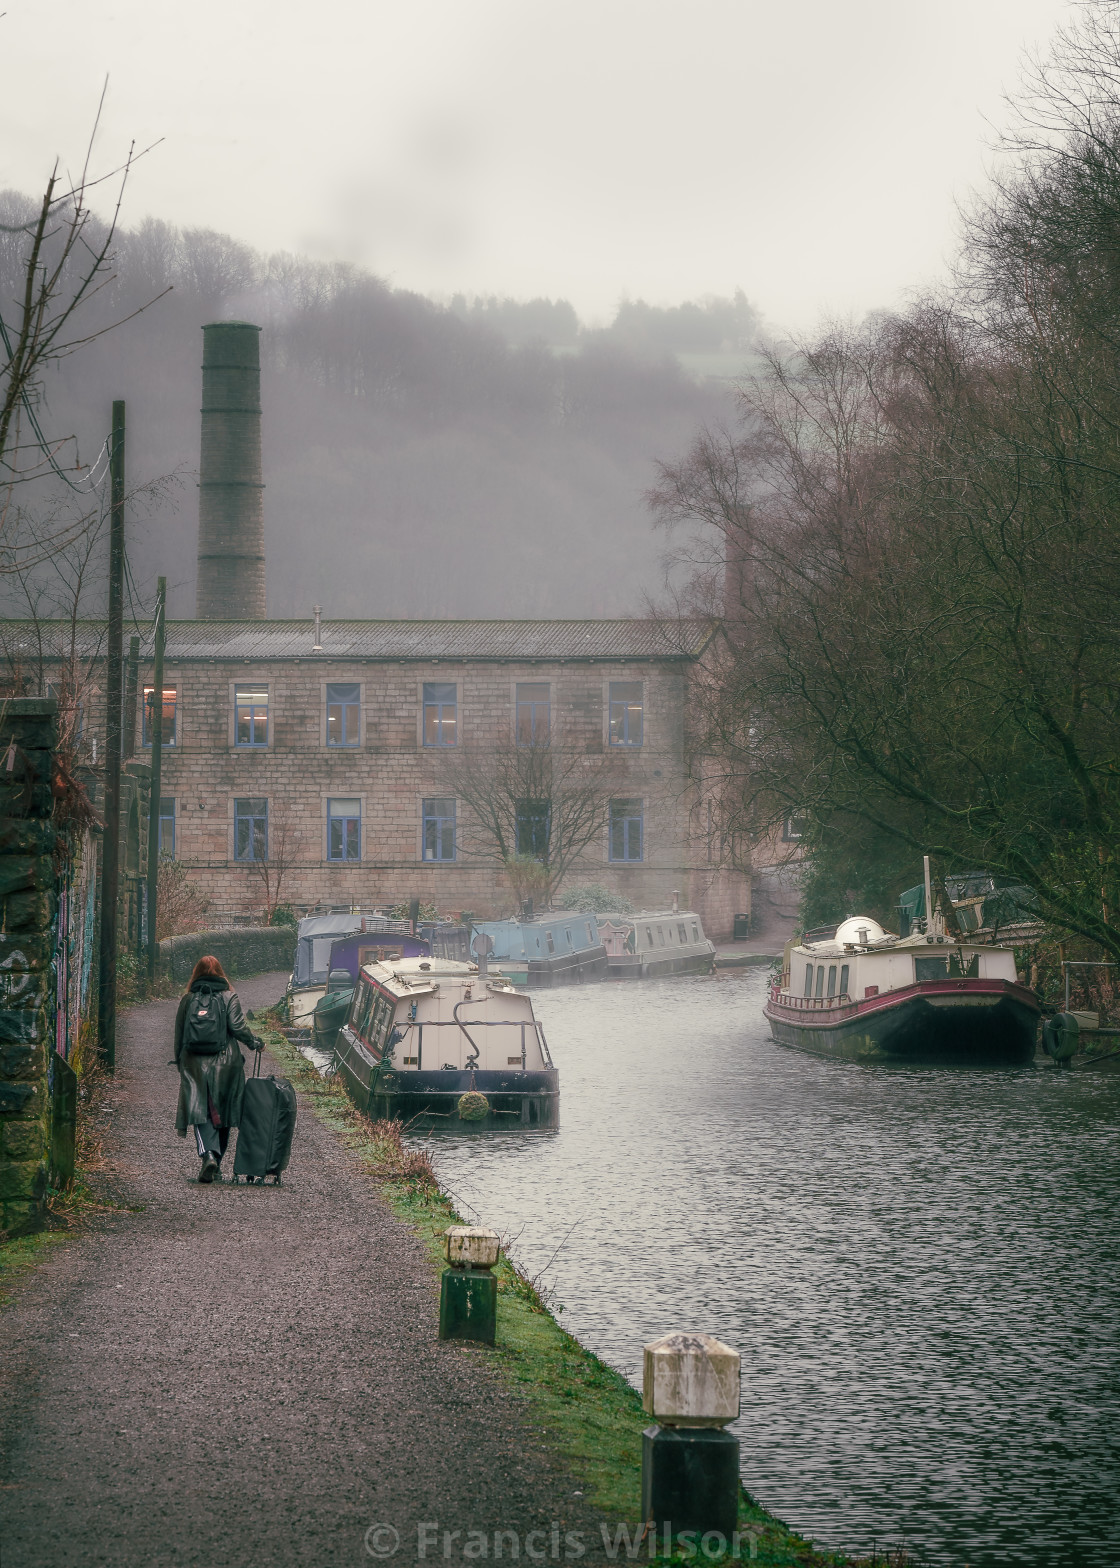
(251, 705)
(533, 712)
(344, 715)
(440, 713)
(625, 713)
(167, 827)
(439, 830)
(344, 830)
(626, 830)
(167, 737)
(250, 830)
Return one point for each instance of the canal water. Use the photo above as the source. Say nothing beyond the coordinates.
(919, 1266)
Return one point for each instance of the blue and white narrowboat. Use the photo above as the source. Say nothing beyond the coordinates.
(551, 950)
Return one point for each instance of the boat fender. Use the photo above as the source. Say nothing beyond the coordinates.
(1060, 1036)
(473, 1106)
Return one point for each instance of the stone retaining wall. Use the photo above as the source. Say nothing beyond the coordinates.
(27, 910)
(241, 950)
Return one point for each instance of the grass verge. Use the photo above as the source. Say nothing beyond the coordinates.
(588, 1412)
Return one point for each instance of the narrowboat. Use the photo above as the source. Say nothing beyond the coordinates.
(348, 954)
(647, 946)
(444, 1045)
(870, 996)
(551, 950)
(315, 936)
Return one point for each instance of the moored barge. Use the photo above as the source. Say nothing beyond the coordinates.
(437, 1044)
(870, 996)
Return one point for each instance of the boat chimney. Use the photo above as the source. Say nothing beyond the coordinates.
(230, 502)
(317, 647)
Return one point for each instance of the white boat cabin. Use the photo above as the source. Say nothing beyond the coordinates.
(432, 1015)
(863, 960)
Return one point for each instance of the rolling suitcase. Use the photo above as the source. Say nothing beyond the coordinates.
(268, 1120)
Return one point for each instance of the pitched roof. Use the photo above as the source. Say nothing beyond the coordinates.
(453, 640)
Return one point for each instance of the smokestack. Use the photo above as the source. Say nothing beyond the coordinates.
(230, 509)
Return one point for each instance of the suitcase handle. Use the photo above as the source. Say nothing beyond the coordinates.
(257, 1049)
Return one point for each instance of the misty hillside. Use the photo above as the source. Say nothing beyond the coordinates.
(485, 458)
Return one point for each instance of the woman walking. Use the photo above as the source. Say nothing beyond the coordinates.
(208, 1028)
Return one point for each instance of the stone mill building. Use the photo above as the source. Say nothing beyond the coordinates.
(331, 754)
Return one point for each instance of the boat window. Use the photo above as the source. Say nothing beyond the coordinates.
(843, 979)
(549, 943)
(568, 934)
(820, 980)
(590, 934)
(649, 936)
(808, 979)
(681, 937)
(931, 968)
(661, 935)
(361, 1014)
(695, 932)
(832, 979)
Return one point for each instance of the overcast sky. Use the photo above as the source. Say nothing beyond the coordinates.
(808, 153)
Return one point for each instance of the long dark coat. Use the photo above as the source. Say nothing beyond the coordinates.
(221, 1077)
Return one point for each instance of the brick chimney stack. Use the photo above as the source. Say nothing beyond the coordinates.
(230, 504)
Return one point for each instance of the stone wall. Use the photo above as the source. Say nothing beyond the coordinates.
(27, 912)
(241, 950)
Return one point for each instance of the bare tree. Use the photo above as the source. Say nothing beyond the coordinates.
(535, 809)
(274, 852)
(60, 260)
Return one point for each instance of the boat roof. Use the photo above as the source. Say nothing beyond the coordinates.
(410, 976)
(891, 943)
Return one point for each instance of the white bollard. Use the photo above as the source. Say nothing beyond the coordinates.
(690, 1465)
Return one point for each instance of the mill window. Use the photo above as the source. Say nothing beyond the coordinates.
(251, 707)
(534, 826)
(533, 712)
(250, 830)
(344, 714)
(439, 830)
(625, 713)
(441, 703)
(344, 829)
(167, 735)
(167, 827)
(626, 822)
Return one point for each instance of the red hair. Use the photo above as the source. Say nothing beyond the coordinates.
(208, 968)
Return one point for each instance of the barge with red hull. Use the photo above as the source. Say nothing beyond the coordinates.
(868, 996)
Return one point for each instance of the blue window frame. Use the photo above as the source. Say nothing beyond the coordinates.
(250, 829)
(167, 826)
(626, 830)
(533, 712)
(251, 711)
(147, 712)
(440, 713)
(344, 714)
(344, 829)
(625, 713)
(439, 830)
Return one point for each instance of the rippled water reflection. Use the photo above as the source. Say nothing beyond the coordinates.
(918, 1265)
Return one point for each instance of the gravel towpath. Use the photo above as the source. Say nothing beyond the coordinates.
(241, 1377)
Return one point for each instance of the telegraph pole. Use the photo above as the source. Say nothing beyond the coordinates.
(114, 695)
(155, 730)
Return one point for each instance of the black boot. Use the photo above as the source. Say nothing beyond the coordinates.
(210, 1168)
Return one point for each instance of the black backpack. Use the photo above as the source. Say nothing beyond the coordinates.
(204, 1027)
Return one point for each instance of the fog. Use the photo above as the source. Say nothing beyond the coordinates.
(480, 458)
